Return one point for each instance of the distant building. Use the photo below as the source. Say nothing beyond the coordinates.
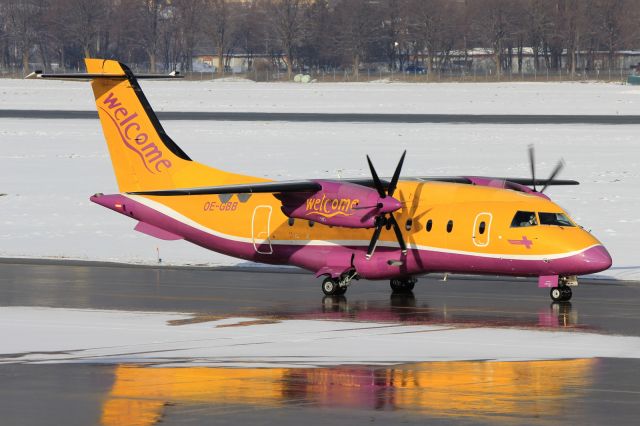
(236, 62)
(482, 60)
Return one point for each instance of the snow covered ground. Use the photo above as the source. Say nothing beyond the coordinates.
(49, 335)
(442, 98)
(49, 168)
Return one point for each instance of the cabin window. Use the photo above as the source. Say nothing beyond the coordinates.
(409, 224)
(429, 225)
(523, 219)
(556, 219)
(311, 223)
(482, 228)
(450, 226)
(291, 221)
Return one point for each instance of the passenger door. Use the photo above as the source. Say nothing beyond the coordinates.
(482, 229)
(260, 229)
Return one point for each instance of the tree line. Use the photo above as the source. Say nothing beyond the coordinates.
(159, 35)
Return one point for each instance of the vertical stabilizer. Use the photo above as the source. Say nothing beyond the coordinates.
(144, 157)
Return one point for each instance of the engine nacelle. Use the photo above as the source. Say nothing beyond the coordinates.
(339, 204)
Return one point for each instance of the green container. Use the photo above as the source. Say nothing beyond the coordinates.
(633, 79)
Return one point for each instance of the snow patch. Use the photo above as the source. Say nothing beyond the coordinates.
(50, 335)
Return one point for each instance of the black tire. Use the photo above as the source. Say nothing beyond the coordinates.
(330, 286)
(396, 285)
(566, 293)
(401, 286)
(556, 294)
(341, 291)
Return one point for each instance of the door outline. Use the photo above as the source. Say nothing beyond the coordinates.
(258, 235)
(479, 217)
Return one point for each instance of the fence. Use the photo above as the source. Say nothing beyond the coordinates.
(342, 75)
(370, 75)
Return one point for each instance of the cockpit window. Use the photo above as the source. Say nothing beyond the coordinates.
(522, 219)
(557, 219)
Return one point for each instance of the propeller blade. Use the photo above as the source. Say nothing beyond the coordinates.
(396, 229)
(532, 164)
(374, 240)
(376, 179)
(554, 173)
(396, 175)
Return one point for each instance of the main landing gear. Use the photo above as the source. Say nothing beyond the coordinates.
(404, 285)
(338, 286)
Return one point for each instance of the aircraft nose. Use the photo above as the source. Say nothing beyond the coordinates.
(597, 259)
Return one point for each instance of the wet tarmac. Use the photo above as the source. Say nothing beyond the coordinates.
(572, 391)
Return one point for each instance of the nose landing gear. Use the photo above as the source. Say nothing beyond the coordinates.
(561, 293)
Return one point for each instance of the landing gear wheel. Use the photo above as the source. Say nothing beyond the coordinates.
(330, 287)
(340, 291)
(402, 286)
(561, 294)
(566, 293)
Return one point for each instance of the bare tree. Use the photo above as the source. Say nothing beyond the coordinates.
(219, 26)
(188, 15)
(318, 33)
(148, 28)
(395, 30)
(22, 19)
(319, 48)
(491, 24)
(537, 25)
(83, 22)
(435, 25)
(357, 28)
(610, 24)
(287, 19)
(250, 29)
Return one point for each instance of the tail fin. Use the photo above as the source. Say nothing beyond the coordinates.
(144, 157)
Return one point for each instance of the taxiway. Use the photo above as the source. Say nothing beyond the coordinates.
(583, 390)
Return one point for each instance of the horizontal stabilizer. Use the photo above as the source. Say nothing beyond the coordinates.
(79, 76)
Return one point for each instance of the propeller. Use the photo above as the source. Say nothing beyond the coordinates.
(556, 171)
(386, 218)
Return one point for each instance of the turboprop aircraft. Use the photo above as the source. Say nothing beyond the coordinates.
(342, 230)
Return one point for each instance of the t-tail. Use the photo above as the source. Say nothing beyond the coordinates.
(144, 157)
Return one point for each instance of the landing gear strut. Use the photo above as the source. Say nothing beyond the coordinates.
(405, 285)
(338, 286)
(561, 294)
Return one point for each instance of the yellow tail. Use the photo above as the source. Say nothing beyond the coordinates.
(144, 157)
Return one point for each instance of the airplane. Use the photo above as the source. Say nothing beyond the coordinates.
(340, 229)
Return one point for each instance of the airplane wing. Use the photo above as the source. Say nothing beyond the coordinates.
(247, 188)
(539, 182)
(313, 186)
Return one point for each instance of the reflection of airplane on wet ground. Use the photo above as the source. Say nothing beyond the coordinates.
(482, 391)
(403, 308)
(340, 229)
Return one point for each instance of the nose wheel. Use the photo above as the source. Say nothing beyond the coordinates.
(561, 294)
